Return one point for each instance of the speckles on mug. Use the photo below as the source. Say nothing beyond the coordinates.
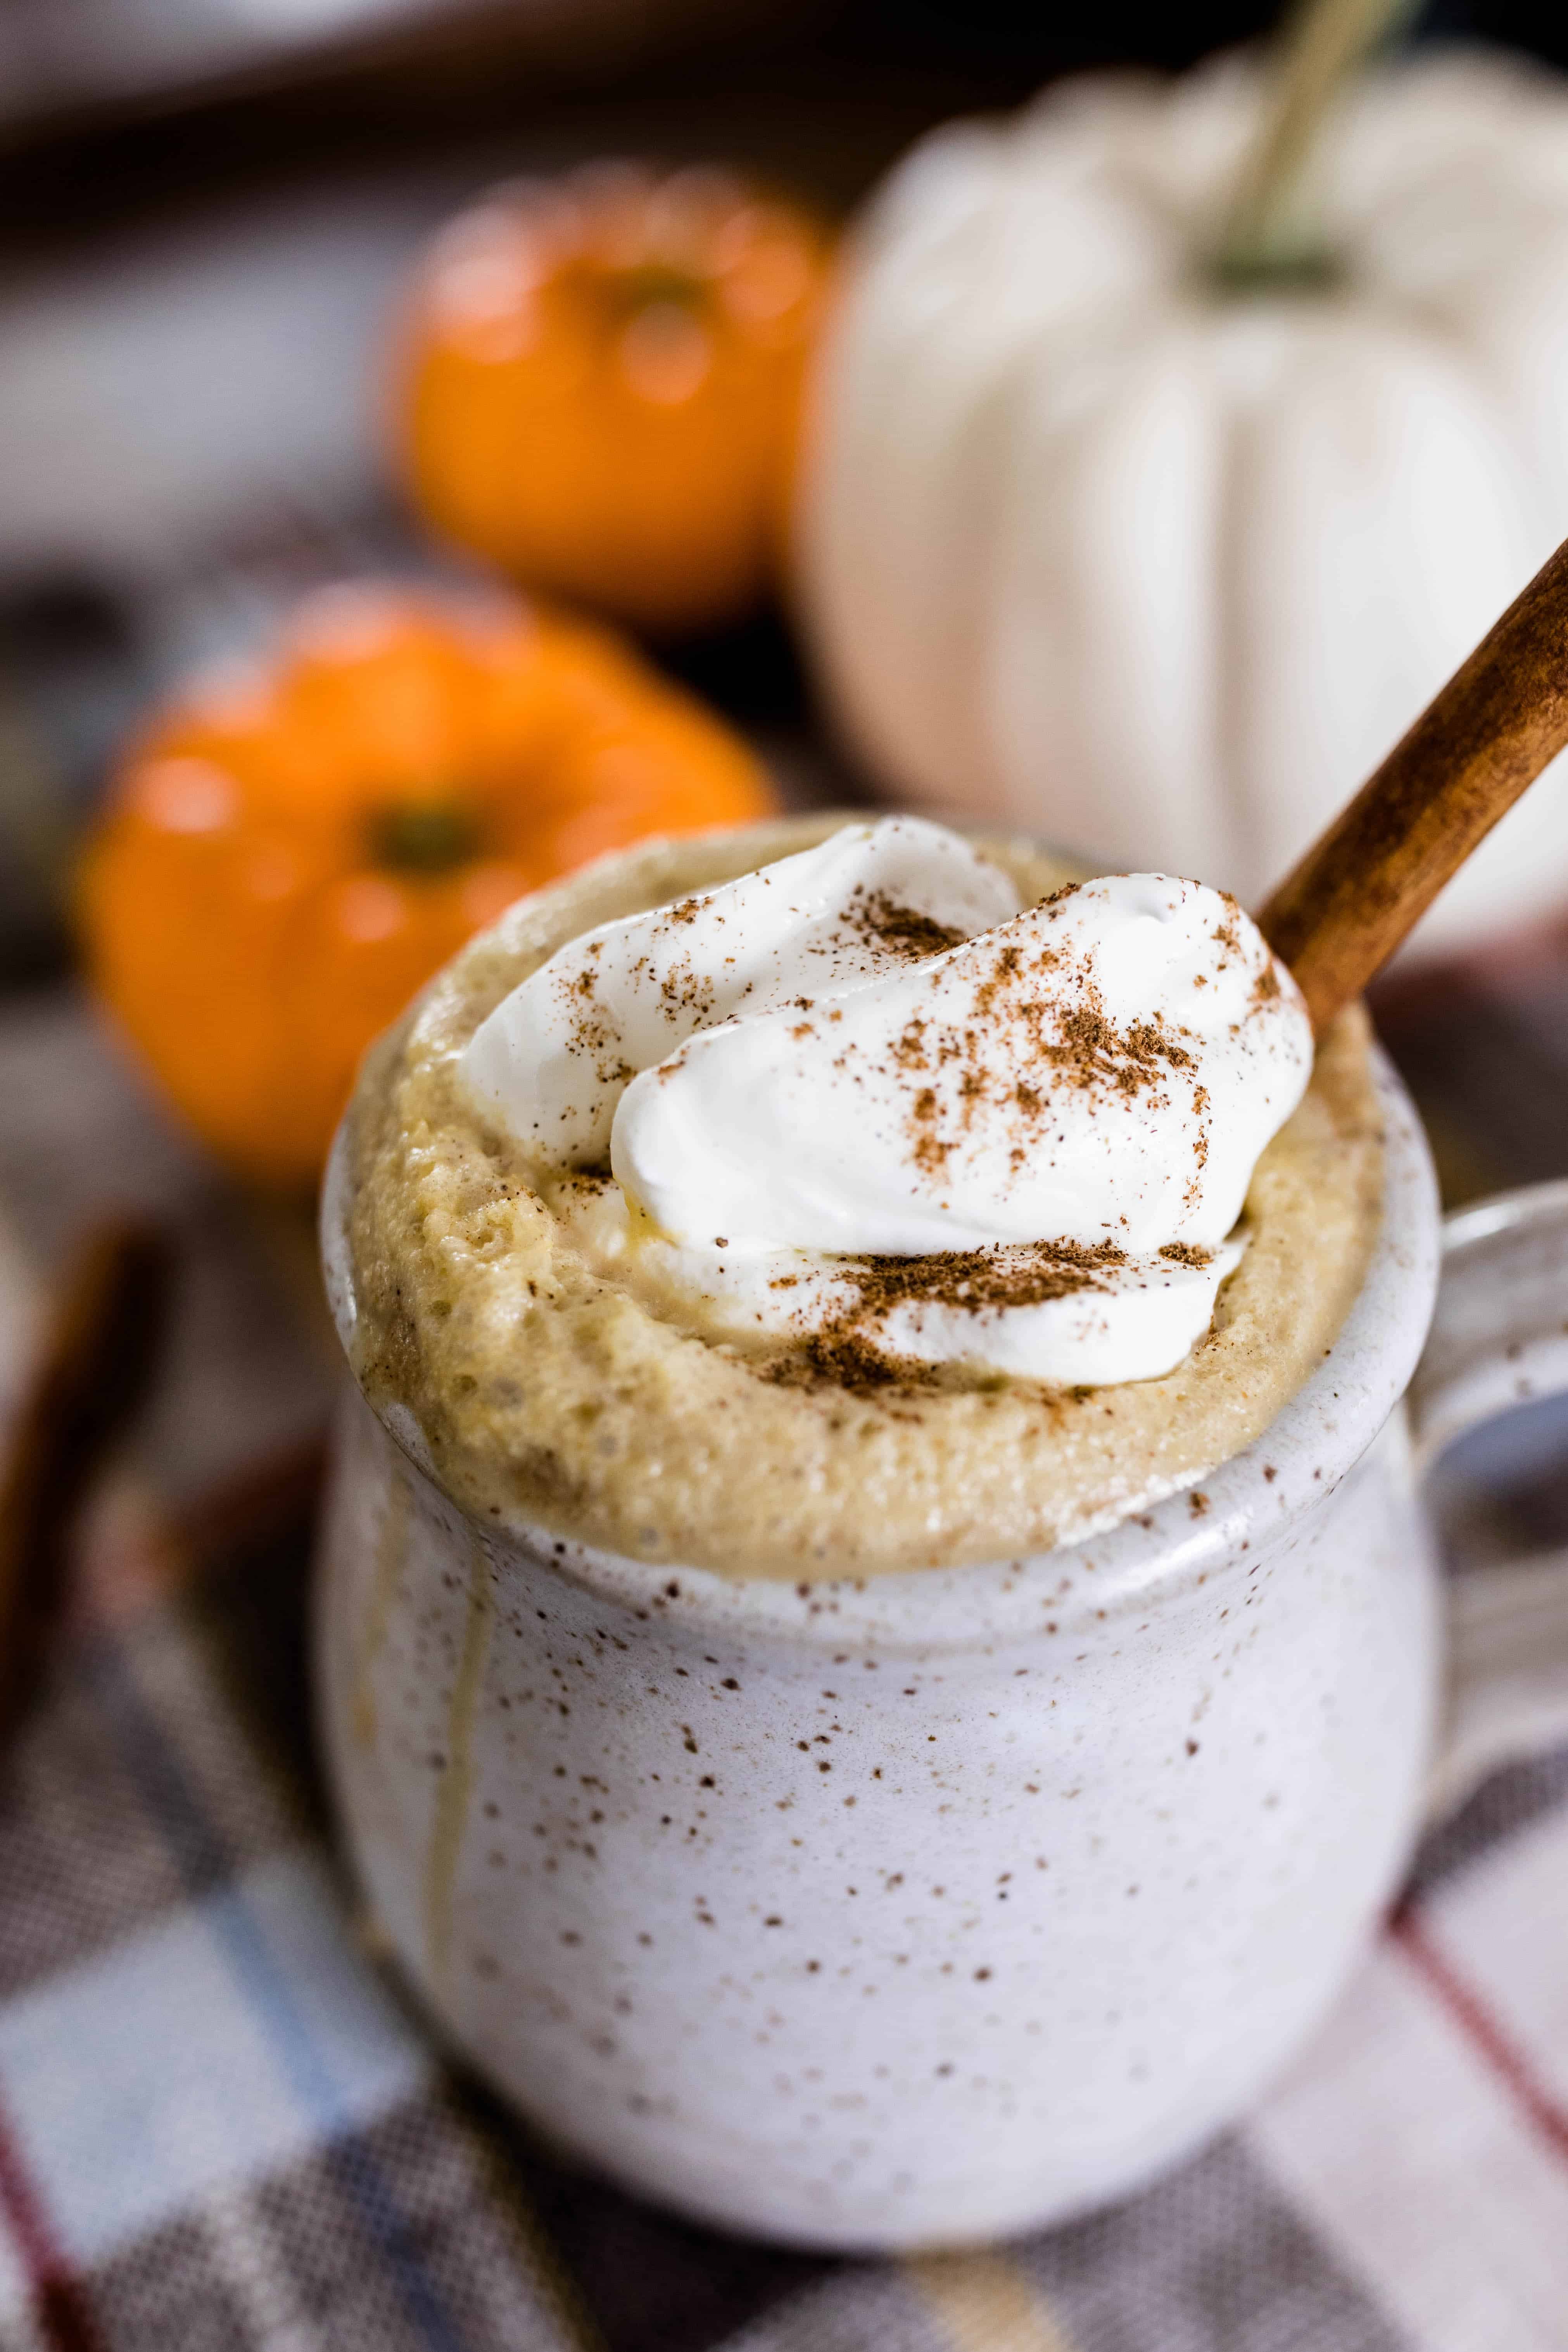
(699, 2016)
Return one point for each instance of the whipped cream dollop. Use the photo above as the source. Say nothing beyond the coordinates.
(551, 1063)
(859, 1099)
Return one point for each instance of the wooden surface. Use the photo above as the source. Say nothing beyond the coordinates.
(1482, 741)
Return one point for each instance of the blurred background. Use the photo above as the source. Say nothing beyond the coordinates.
(210, 210)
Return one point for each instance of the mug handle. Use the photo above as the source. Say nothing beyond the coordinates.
(1498, 1339)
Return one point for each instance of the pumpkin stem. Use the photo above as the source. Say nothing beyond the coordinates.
(644, 284)
(1265, 240)
(427, 838)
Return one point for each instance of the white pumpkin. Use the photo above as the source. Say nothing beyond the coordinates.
(1162, 573)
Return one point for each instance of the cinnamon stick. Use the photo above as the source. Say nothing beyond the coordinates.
(1338, 917)
(92, 1370)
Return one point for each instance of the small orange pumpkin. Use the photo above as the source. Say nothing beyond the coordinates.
(288, 855)
(602, 386)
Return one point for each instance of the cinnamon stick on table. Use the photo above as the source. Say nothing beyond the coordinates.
(96, 1359)
(1338, 917)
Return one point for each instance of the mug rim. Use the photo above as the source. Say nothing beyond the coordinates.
(1139, 1558)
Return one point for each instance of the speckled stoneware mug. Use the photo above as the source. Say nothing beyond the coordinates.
(921, 1910)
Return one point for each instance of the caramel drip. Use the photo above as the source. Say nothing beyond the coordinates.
(456, 1786)
(390, 1553)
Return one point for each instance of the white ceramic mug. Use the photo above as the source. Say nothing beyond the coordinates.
(929, 1908)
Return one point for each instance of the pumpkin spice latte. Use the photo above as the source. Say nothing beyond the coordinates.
(906, 1245)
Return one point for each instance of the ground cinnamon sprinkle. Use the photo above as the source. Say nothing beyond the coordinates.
(846, 1360)
(1026, 1276)
(686, 993)
(1033, 1020)
(1010, 1028)
(873, 915)
(1092, 1048)
(846, 1351)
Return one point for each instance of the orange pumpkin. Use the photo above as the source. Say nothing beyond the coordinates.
(286, 856)
(602, 386)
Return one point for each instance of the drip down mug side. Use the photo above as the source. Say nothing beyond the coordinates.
(911, 1911)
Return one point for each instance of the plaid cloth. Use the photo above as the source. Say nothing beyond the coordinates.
(223, 2130)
